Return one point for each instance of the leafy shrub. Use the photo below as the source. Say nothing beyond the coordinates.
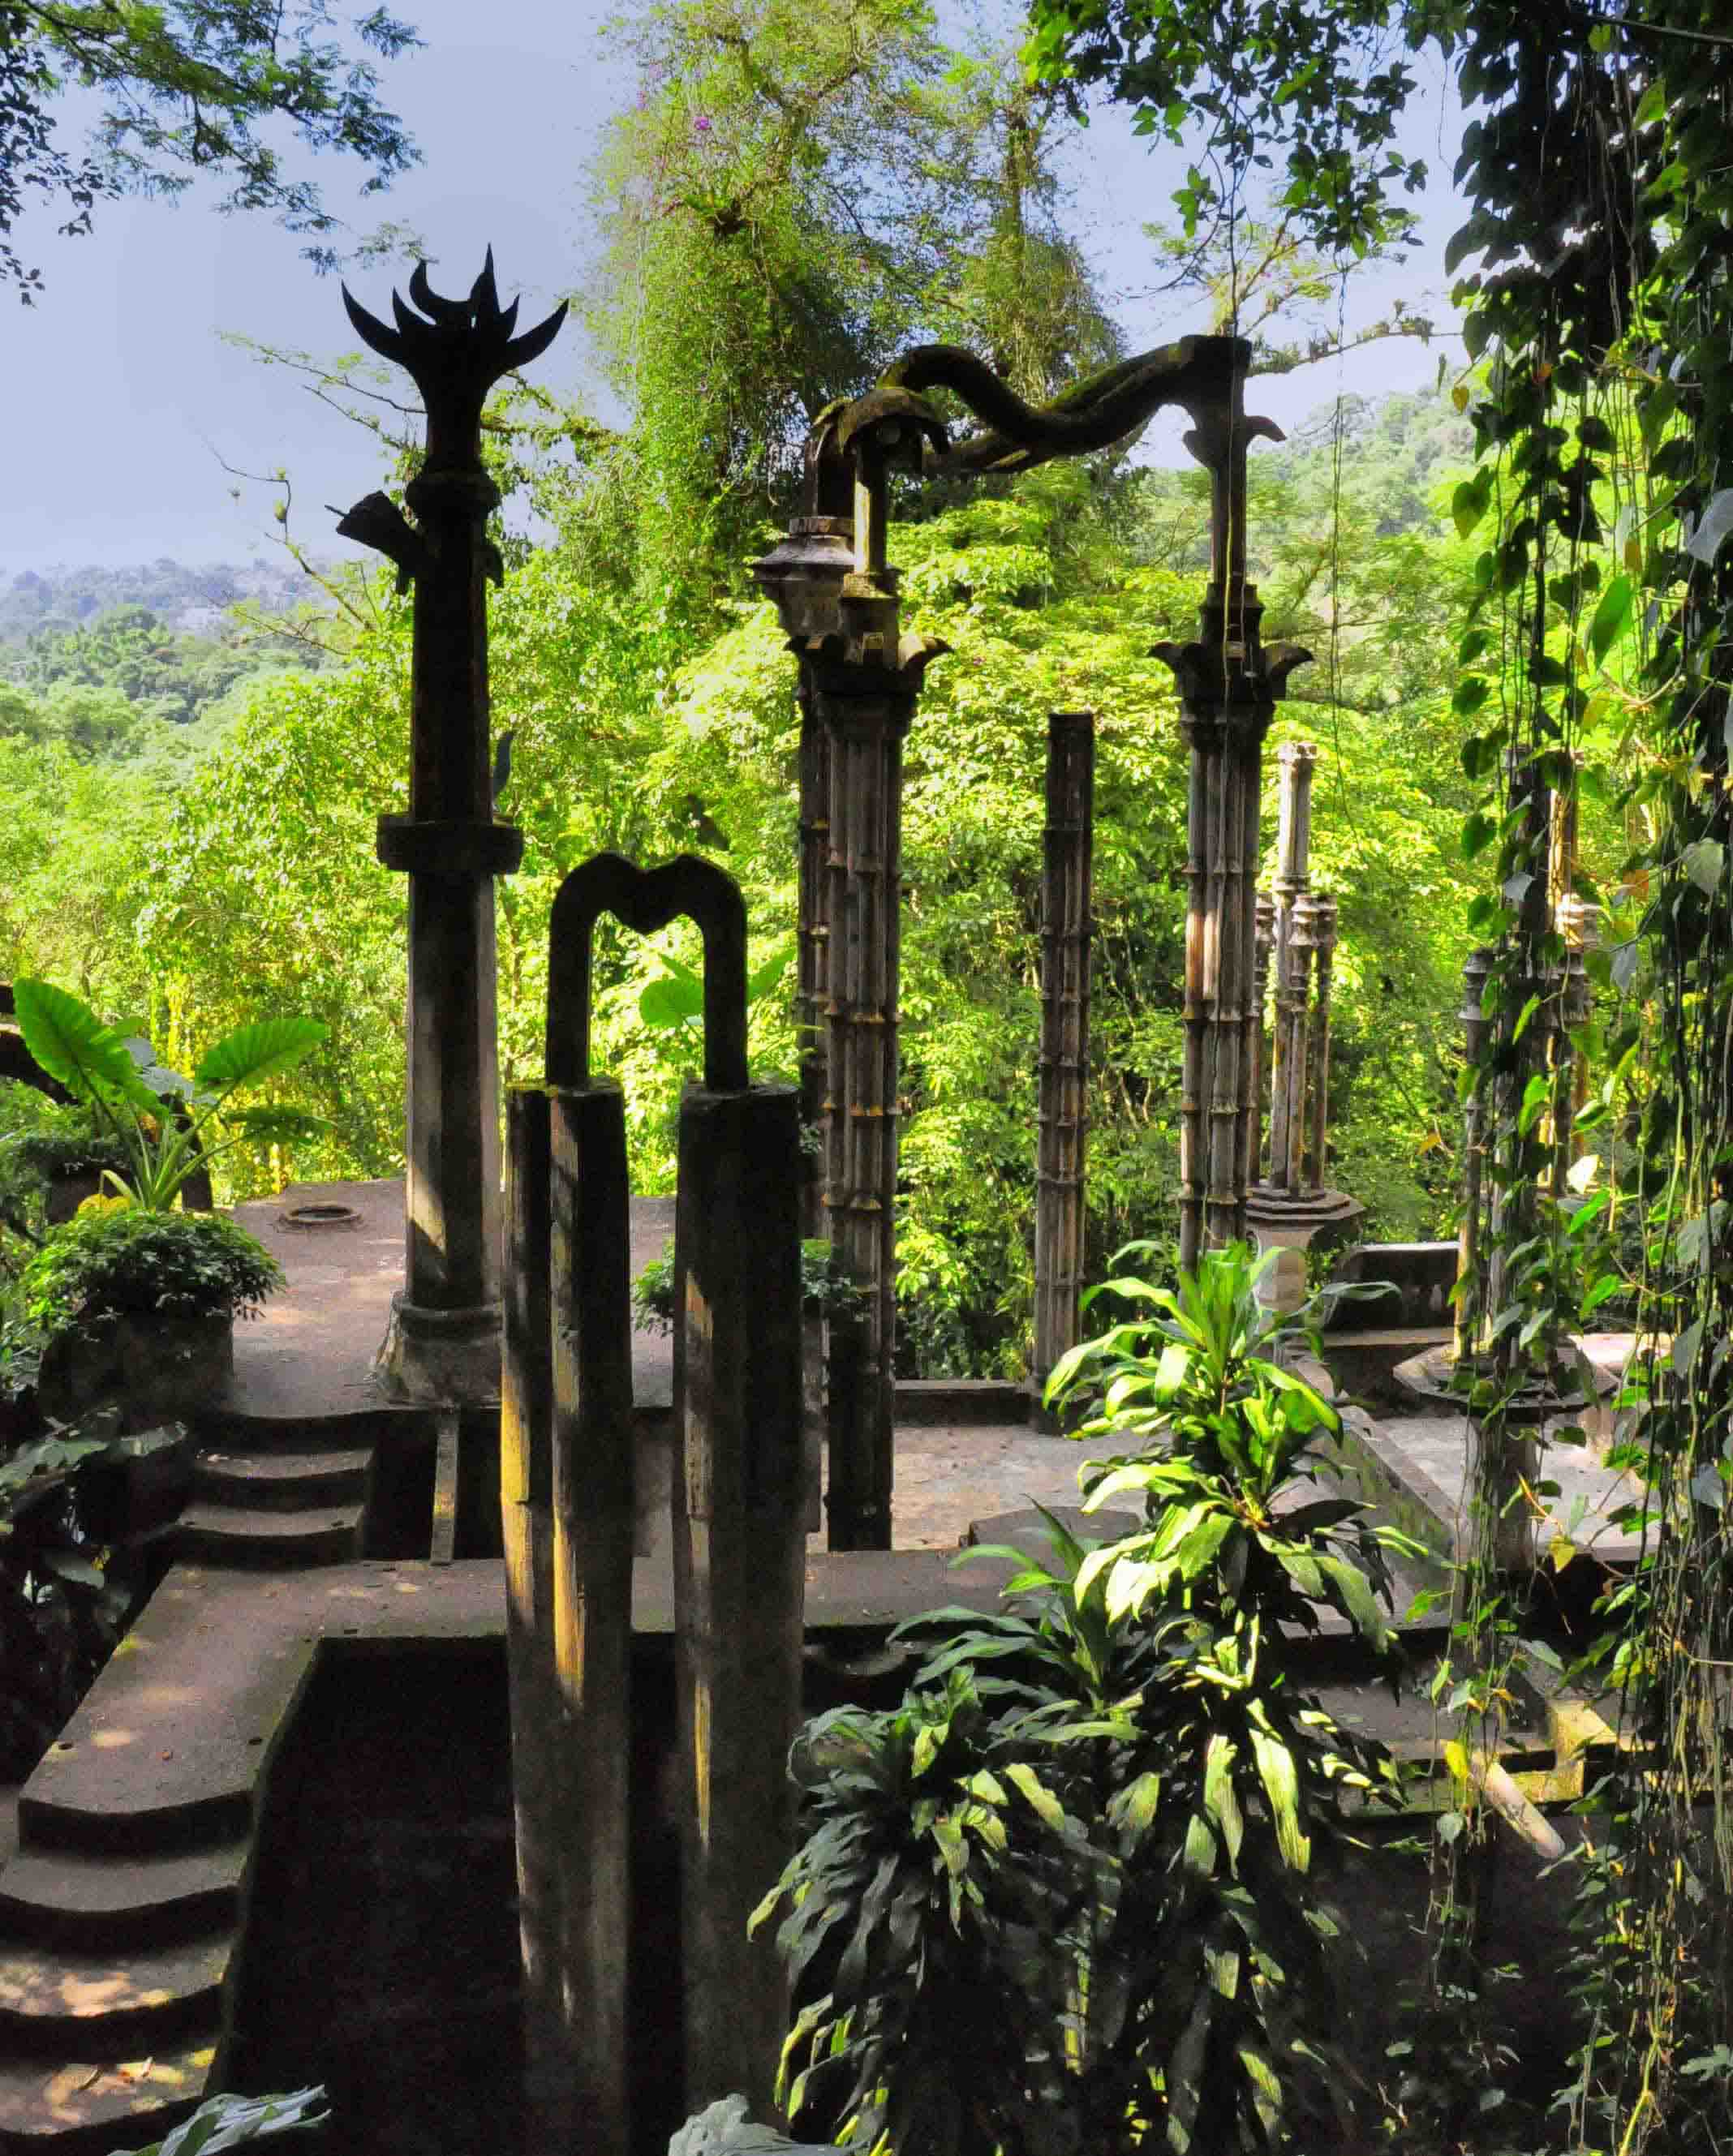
(1062, 1897)
(60, 1611)
(128, 1260)
(824, 1287)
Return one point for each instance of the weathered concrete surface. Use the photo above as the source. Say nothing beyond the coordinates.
(1416, 1468)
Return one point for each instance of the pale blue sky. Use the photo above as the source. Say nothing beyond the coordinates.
(119, 388)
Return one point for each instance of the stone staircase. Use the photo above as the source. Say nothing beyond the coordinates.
(121, 1905)
(274, 1509)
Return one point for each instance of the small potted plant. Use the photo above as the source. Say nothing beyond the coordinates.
(135, 1300)
(139, 1307)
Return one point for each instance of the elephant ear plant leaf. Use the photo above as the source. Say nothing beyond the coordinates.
(163, 1122)
(1071, 1894)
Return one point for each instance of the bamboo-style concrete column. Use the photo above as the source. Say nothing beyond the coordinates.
(1263, 950)
(860, 675)
(1291, 1209)
(444, 1342)
(1066, 929)
(1296, 762)
(1229, 686)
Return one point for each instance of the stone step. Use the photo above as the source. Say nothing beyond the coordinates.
(284, 1425)
(104, 2005)
(167, 1750)
(281, 1481)
(91, 2107)
(264, 1540)
(85, 1902)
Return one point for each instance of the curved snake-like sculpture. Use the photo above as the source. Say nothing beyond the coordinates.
(1202, 374)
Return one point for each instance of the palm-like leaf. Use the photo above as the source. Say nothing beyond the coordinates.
(253, 1053)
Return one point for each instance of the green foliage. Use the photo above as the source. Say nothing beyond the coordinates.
(1223, 1432)
(824, 1287)
(185, 87)
(224, 2122)
(1231, 86)
(1062, 1896)
(129, 1262)
(162, 1122)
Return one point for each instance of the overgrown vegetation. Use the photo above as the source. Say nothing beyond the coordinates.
(1062, 1896)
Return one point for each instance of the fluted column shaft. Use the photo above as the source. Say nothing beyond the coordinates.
(864, 949)
(1064, 1069)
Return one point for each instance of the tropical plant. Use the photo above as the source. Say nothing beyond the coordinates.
(159, 1117)
(223, 2121)
(1062, 1896)
(1226, 1435)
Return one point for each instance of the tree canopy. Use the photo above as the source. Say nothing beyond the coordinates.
(188, 89)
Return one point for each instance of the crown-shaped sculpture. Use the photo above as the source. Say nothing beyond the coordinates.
(455, 350)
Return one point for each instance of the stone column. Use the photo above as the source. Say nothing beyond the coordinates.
(1066, 929)
(1297, 761)
(1264, 942)
(444, 1341)
(739, 1571)
(860, 677)
(1229, 686)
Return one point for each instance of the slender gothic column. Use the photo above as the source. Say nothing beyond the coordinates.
(1264, 932)
(1291, 1208)
(444, 1342)
(1297, 761)
(1470, 1287)
(1064, 1078)
(1315, 921)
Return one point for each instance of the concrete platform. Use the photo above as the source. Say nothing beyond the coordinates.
(303, 1374)
(1416, 1468)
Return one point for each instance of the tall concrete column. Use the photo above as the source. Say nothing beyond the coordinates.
(1066, 930)
(1291, 1209)
(444, 1341)
(1229, 686)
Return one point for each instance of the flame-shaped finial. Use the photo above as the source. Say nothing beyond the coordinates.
(455, 350)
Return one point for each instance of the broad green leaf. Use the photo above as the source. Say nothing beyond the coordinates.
(1036, 1793)
(1281, 1782)
(1713, 526)
(1703, 861)
(275, 1125)
(763, 978)
(253, 1053)
(73, 1045)
(1219, 1801)
(1612, 617)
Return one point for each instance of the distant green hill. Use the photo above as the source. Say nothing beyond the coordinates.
(183, 599)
